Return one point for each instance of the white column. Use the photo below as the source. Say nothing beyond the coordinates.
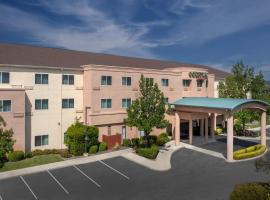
(206, 130)
(230, 138)
(213, 125)
(263, 128)
(190, 130)
(177, 129)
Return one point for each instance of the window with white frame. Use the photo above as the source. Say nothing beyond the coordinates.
(126, 80)
(41, 140)
(106, 103)
(4, 77)
(126, 103)
(67, 103)
(5, 105)
(41, 104)
(142, 133)
(41, 79)
(165, 82)
(67, 79)
(106, 80)
(186, 82)
(199, 83)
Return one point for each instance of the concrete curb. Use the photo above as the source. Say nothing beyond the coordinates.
(62, 164)
(258, 128)
(161, 163)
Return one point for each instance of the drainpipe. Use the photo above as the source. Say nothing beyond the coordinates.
(61, 115)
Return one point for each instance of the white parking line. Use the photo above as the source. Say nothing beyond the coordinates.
(1, 197)
(65, 190)
(87, 176)
(114, 169)
(28, 187)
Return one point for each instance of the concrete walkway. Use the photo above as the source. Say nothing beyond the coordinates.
(62, 164)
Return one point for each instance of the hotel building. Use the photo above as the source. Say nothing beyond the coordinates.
(43, 90)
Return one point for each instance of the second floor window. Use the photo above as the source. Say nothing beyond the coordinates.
(199, 83)
(4, 77)
(106, 103)
(5, 105)
(67, 79)
(41, 78)
(165, 82)
(186, 82)
(106, 80)
(126, 80)
(41, 104)
(126, 103)
(67, 103)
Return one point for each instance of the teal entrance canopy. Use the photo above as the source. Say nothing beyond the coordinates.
(217, 103)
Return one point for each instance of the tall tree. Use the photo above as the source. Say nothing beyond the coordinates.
(239, 84)
(147, 111)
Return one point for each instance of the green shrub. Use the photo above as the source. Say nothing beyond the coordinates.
(16, 156)
(135, 142)
(218, 131)
(150, 153)
(126, 142)
(28, 155)
(75, 137)
(162, 139)
(250, 191)
(102, 146)
(93, 149)
(62, 152)
(152, 139)
(37, 152)
(249, 152)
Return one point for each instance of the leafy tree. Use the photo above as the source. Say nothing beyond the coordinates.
(6, 142)
(148, 111)
(237, 85)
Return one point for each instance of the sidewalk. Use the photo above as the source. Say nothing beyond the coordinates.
(62, 164)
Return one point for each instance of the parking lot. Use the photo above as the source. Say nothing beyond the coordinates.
(193, 176)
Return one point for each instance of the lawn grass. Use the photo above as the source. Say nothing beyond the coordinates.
(34, 161)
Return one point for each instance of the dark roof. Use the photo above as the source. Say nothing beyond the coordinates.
(54, 57)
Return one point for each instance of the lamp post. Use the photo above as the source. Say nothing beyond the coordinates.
(86, 139)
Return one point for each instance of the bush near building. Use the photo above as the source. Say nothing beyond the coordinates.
(249, 152)
(162, 139)
(93, 149)
(16, 156)
(251, 191)
(102, 146)
(150, 153)
(126, 143)
(75, 137)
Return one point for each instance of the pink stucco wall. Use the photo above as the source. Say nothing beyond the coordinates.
(16, 118)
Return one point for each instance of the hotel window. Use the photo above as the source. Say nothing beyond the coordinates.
(165, 82)
(41, 104)
(166, 100)
(67, 79)
(186, 82)
(106, 80)
(126, 103)
(199, 83)
(5, 105)
(126, 80)
(41, 140)
(41, 78)
(106, 103)
(4, 77)
(67, 103)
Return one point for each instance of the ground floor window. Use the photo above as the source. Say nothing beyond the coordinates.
(106, 103)
(124, 132)
(5, 105)
(41, 140)
(141, 133)
(67, 103)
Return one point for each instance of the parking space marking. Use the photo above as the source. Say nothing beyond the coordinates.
(65, 190)
(1, 197)
(114, 169)
(93, 181)
(28, 187)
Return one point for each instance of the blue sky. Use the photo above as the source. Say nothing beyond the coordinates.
(216, 33)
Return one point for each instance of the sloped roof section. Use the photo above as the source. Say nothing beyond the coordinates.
(217, 103)
(54, 57)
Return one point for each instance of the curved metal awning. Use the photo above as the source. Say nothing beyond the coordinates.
(217, 103)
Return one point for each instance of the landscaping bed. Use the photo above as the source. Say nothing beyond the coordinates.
(249, 152)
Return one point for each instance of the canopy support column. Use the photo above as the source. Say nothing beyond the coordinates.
(206, 130)
(230, 138)
(263, 128)
(177, 129)
(201, 126)
(190, 130)
(213, 125)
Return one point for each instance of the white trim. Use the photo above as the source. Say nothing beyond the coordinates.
(28, 187)
(93, 181)
(114, 169)
(65, 190)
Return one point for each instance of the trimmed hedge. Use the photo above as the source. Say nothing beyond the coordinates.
(126, 142)
(249, 152)
(102, 146)
(162, 139)
(62, 152)
(93, 149)
(16, 156)
(150, 153)
(250, 191)
(218, 131)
